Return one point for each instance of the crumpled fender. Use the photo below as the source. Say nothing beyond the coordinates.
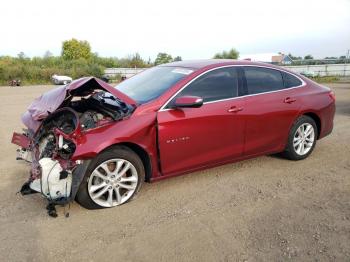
(138, 129)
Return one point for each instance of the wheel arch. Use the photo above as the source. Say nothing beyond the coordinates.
(317, 120)
(141, 152)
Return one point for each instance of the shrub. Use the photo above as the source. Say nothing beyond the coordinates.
(39, 70)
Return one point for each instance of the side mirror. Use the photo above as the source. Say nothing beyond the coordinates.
(188, 101)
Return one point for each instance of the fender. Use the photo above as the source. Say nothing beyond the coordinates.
(138, 129)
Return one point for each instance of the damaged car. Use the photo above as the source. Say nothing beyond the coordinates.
(96, 144)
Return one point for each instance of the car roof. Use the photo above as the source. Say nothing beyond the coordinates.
(203, 63)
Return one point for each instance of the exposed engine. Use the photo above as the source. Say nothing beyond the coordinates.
(97, 110)
(51, 143)
(103, 103)
(56, 121)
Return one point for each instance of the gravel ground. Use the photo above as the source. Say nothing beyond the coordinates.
(264, 209)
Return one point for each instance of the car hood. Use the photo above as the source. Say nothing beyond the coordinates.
(50, 101)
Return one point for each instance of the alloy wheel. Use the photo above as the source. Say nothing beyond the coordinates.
(113, 182)
(304, 139)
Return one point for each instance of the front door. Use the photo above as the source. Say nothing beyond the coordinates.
(190, 138)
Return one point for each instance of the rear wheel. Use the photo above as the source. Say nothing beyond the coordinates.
(113, 178)
(302, 138)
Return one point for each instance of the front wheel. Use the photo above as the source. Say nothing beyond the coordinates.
(113, 178)
(302, 139)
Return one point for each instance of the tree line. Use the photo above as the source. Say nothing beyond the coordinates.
(310, 60)
(77, 60)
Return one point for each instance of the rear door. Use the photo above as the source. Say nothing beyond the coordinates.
(271, 107)
(193, 137)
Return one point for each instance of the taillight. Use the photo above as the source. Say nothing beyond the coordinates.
(332, 95)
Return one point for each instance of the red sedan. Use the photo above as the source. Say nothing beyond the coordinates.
(97, 144)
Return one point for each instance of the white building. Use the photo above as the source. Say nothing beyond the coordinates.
(271, 58)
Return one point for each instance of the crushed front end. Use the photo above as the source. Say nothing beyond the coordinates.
(56, 125)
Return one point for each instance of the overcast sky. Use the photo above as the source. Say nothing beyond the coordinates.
(191, 29)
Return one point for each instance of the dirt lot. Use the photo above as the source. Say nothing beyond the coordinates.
(264, 209)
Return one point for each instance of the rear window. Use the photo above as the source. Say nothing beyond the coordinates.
(290, 80)
(261, 80)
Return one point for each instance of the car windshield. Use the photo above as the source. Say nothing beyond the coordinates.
(152, 83)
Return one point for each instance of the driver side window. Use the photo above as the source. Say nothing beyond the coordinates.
(215, 85)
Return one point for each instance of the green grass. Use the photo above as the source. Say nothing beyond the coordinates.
(325, 79)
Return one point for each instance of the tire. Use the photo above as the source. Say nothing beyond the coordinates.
(65, 82)
(96, 176)
(300, 145)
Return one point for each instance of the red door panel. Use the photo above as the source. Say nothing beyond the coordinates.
(268, 120)
(193, 137)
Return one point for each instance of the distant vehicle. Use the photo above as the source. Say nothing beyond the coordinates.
(15, 82)
(61, 80)
(105, 78)
(308, 73)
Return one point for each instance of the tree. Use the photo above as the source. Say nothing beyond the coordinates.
(75, 49)
(21, 55)
(136, 61)
(48, 54)
(177, 58)
(294, 57)
(231, 54)
(163, 58)
(308, 57)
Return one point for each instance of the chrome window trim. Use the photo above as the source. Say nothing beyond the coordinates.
(237, 97)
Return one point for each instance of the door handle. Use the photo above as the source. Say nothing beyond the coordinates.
(289, 100)
(234, 109)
